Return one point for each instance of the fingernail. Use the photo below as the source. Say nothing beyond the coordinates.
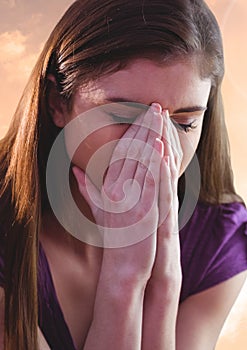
(156, 107)
(159, 147)
(166, 113)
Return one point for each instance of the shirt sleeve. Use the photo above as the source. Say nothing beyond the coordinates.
(215, 248)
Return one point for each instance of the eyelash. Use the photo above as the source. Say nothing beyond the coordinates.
(122, 120)
(179, 126)
(185, 127)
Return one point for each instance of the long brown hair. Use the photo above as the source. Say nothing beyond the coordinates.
(95, 38)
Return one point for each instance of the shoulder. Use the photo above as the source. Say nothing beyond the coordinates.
(213, 246)
(230, 215)
(215, 223)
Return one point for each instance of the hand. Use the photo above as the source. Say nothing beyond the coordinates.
(163, 289)
(136, 159)
(167, 268)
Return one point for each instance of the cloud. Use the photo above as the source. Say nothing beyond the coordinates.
(9, 3)
(16, 59)
(12, 45)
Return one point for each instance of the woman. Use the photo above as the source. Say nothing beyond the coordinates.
(152, 72)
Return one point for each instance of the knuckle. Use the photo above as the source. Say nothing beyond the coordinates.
(143, 163)
(134, 153)
(121, 149)
(111, 194)
(149, 180)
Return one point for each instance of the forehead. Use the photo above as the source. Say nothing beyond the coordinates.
(173, 86)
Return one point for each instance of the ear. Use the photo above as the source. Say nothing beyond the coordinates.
(57, 107)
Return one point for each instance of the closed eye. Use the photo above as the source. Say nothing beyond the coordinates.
(122, 120)
(125, 112)
(184, 127)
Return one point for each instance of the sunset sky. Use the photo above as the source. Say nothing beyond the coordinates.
(24, 28)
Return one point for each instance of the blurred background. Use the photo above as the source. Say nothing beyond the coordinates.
(24, 28)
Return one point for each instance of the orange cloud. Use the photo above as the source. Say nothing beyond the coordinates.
(15, 60)
(16, 63)
(9, 3)
(11, 45)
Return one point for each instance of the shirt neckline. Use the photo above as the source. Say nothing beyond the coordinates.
(53, 311)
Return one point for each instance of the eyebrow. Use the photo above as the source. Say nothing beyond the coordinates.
(189, 109)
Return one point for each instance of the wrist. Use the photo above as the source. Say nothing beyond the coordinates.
(122, 277)
(121, 287)
(117, 317)
(165, 290)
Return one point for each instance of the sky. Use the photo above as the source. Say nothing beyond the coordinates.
(25, 26)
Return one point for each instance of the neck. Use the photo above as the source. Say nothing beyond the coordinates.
(53, 230)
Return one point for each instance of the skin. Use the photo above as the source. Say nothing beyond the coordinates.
(128, 297)
(173, 87)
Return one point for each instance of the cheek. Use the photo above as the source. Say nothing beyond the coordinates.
(189, 143)
(95, 151)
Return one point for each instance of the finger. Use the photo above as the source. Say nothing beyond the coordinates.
(175, 142)
(135, 146)
(151, 182)
(151, 127)
(170, 149)
(168, 200)
(119, 154)
(169, 215)
(140, 148)
(130, 149)
(165, 190)
(144, 162)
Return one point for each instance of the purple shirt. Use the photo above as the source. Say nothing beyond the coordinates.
(213, 249)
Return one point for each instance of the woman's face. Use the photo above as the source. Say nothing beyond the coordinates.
(178, 88)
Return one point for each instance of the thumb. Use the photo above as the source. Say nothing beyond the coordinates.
(87, 188)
